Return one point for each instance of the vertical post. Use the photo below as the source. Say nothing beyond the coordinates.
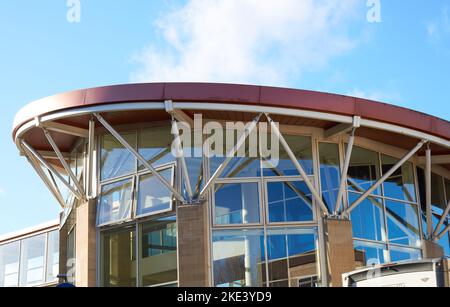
(348, 156)
(90, 160)
(428, 194)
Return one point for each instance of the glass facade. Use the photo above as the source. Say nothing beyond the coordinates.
(386, 225)
(262, 216)
(31, 261)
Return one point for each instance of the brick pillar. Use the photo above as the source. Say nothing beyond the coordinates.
(86, 244)
(432, 250)
(193, 246)
(340, 249)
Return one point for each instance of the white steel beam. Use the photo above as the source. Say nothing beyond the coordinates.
(64, 163)
(230, 155)
(344, 174)
(139, 157)
(90, 159)
(62, 128)
(51, 169)
(298, 166)
(181, 159)
(428, 191)
(343, 128)
(443, 233)
(384, 178)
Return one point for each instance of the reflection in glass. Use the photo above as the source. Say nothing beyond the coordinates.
(115, 202)
(116, 160)
(400, 254)
(289, 202)
(403, 223)
(158, 256)
(9, 264)
(444, 242)
(363, 171)
(52, 256)
(330, 173)
(302, 149)
(153, 196)
(292, 257)
(238, 258)
(32, 261)
(399, 185)
(118, 258)
(155, 145)
(368, 219)
(237, 204)
(369, 254)
(71, 256)
(437, 191)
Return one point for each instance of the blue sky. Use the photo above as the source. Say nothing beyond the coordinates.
(321, 45)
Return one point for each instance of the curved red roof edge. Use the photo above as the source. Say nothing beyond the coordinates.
(237, 94)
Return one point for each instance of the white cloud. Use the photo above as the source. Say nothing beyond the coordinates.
(440, 27)
(253, 41)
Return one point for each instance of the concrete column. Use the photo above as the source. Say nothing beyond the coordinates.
(446, 267)
(432, 250)
(340, 249)
(86, 244)
(193, 255)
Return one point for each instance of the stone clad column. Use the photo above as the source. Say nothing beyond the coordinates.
(340, 249)
(432, 250)
(193, 247)
(85, 237)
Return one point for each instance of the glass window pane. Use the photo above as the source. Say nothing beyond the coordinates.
(238, 257)
(237, 204)
(445, 240)
(71, 257)
(399, 185)
(330, 173)
(368, 219)
(302, 148)
(403, 224)
(400, 254)
(32, 261)
(115, 202)
(289, 202)
(438, 200)
(363, 171)
(153, 196)
(116, 160)
(155, 145)
(245, 163)
(447, 190)
(369, 254)
(118, 261)
(9, 264)
(292, 257)
(158, 259)
(52, 256)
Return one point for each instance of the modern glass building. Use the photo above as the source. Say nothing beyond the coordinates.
(188, 184)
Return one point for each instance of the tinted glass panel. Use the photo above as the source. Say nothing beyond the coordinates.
(116, 160)
(32, 261)
(363, 171)
(404, 254)
(158, 259)
(237, 204)
(368, 219)
(238, 258)
(155, 145)
(9, 264)
(118, 258)
(153, 196)
(52, 256)
(291, 257)
(302, 149)
(403, 223)
(368, 254)
(115, 202)
(330, 174)
(399, 185)
(289, 202)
